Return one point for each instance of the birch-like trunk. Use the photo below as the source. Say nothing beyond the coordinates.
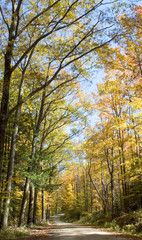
(43, 206)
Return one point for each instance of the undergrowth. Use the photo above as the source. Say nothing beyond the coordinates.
(127, 223)
(13, 233)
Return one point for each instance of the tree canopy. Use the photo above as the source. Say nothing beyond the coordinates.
(47, 50)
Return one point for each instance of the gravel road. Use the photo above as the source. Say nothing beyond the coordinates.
(69, 231)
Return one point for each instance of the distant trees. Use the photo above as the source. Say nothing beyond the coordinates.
(112, 152)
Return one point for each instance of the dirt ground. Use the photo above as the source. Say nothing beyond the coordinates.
(59, 230)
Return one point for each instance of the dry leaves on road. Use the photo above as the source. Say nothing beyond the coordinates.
(39, 233)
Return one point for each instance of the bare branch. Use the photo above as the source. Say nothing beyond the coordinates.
(85, 37)
(94, 183)
(82, 16)
(38, 15)
(3, 17)
(89, 51)
(55, 74)
(18, 17)
(56, 29)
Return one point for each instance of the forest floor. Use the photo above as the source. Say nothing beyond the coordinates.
(59, 230)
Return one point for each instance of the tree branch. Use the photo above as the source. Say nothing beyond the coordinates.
(18, 18)
(89, 51)
(38, 15)
(4, 19)
(54, 29)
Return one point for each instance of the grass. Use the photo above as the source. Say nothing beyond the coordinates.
(14, 233)
(11, 233)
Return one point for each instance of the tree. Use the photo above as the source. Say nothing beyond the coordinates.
(118, 103)
(24, 44)
(39, 26)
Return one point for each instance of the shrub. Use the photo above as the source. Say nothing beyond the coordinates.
(130, 228)
(138, 227)
(13, 234)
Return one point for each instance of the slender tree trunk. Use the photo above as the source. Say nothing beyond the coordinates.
(43, 206)
(27, 185)
(84, 190)
(123, 173)
(48, 212)
(35, 206)
(110, 165)
(120, 182)
(6, 88)
(56, 206)
(91, 198)
(12, 156)
(87, 193)
(101, 195)
(112, 196)
(112, 185)
(35, 136)
(1, 202)
(24, 203)
(2, 183)
(5, 98)
(125, 194)
(26, 190)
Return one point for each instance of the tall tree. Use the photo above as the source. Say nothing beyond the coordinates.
(45, 22)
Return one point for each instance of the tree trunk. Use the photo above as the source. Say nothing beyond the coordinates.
(48, 212)
(35, 206)
(87, 193)
(123, 172)
(91, 198)
(43, 206)
(12, 156)
(1, 202)
(110, 165)
(56, 211)
(6, 88)
(112, 196)
(31, 206)
(125, 194)
(4, 106)
(112, 186)
(27, 185)
(25, 195)
(24, 203)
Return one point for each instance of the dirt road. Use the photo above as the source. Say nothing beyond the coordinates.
(68, 231)
(59, 230)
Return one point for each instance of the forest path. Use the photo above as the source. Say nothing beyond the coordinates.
(69, 231)
(59, 230)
